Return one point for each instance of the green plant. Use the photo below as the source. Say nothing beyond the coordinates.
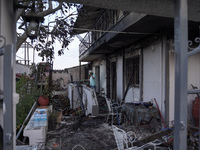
(44, 91)
(28, 93)
(52, 116)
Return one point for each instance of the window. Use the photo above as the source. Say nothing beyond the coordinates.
(132, 68)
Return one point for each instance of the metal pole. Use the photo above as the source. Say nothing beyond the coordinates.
(79, 71)
(25, 54)
(181, 71)
(33, 55)
(8, 99)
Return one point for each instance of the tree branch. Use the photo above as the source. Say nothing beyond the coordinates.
(21, 10)
(23, 37)
(21, 40)
(50, 10)
(50, 4)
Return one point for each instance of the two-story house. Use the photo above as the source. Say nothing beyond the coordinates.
(132, 56)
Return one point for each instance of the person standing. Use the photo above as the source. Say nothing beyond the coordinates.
(92, 80)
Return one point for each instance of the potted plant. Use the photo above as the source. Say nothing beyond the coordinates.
(43, 82)
(43, 99)
(52, 117)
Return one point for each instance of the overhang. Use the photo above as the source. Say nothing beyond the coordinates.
(163, 8)
(86, 18)
(147, 26)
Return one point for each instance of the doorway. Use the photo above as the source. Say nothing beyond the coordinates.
(97, 74)
(113, 80)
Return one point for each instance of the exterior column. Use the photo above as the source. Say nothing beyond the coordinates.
(181, 72)
(8, 30)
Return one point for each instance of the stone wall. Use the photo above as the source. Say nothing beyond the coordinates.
(63, 77)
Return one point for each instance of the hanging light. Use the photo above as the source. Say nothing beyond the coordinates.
(32, 23)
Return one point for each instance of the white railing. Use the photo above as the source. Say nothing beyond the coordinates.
(90, 101)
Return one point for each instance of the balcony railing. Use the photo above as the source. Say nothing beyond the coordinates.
(105, 22)
(85, 43)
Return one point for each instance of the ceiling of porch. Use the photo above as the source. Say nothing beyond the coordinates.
(164, 8)
(109, 42)
(160, 16)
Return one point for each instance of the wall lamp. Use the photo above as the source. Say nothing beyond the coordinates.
(32, 23)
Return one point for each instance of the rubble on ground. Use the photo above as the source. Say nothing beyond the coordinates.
(93, 134)
(75, 131)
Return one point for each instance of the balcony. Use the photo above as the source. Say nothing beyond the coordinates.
(113, 30)
(105, 22)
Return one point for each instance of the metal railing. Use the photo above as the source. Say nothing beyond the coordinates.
(106, 21)
(27, 117)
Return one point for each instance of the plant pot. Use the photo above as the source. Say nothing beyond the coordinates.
(43, 101)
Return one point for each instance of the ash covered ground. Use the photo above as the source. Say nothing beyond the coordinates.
(91, 134)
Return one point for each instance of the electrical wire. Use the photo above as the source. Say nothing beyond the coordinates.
(81, 29)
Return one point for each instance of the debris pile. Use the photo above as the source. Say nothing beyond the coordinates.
(93, 134)
(75, 131)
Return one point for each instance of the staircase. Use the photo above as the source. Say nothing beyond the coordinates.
(103, 109)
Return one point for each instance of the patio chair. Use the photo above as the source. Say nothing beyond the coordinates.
(124, 140)
(113, 109)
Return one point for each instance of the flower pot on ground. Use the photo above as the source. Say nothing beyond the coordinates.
(43, 100)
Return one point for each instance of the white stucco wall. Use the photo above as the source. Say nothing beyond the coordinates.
(20, 68)
(153, 78)
(119, 68)
(73, 96)
(102, 64)
(133, 95)
(90, 101)
(103, 77)
(61, 75)
(193, 78)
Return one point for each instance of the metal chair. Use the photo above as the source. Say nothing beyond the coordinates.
(113, 109)
(124, 140)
